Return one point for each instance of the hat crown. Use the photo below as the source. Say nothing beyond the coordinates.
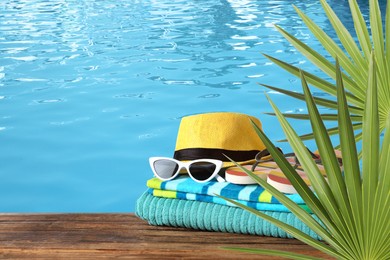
(211, 135)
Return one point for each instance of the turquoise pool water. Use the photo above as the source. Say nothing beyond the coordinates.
(90, 89)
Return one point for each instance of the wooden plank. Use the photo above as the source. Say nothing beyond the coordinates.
(79, 236)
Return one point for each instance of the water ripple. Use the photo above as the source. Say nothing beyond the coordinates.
(69, 122)
(25, 58)
(210, 96)
(30, 80)
(49, 101)
(139, 95)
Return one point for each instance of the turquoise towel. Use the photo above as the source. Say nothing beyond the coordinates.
(253, 192)
(213, 217)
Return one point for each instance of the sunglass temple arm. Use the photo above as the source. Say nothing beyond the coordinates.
(220, 179)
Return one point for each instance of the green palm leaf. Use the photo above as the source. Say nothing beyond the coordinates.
(330, 131)
(378, 43)
(361, 29)
(325, 117)
(351, 165)
(315, 81)
(353, 57)
(336, 51)
(319, 101)
(382, 196)
(353, 206)
(387, 50)
(370, 156)
(322, 63)
(289, 229)
(347, 41)
(330, 162)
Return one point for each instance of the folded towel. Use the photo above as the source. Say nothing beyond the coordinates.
(251, 192)
(213, 217)
(169, 194)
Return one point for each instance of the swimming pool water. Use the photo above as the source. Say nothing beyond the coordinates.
(90, 89)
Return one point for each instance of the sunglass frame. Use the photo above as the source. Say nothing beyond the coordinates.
(186, 165)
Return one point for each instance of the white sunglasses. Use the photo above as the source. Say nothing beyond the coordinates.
(201, 170)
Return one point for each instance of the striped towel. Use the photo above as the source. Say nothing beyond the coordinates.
(251, 193)
(214, 199)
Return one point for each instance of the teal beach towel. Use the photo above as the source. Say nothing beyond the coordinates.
(213, 217)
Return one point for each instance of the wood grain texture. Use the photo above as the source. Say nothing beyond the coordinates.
(81, 236)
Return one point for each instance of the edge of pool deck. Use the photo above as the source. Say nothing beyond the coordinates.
(81, 236)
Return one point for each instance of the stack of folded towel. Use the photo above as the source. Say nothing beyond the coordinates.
(182, 202)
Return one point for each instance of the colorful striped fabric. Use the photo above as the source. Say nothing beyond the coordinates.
(213, 199)
(251, 193)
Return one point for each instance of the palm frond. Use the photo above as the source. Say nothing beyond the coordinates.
(325, 117)
(330, 162)
(378, 42)
(330, 131)
(352, 206)
(353, 57)
(335, 51)
(348, 43)
(319, 101)
(321, 62)
(289, 229)
(315, 81)
(351, 166)
(370, 157)
(361, 29)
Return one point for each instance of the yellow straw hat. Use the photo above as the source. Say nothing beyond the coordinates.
(211, 135)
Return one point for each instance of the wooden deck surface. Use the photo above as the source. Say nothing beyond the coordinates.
(80, 236)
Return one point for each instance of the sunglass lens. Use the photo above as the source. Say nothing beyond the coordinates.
(202, 170)
(165, 169)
